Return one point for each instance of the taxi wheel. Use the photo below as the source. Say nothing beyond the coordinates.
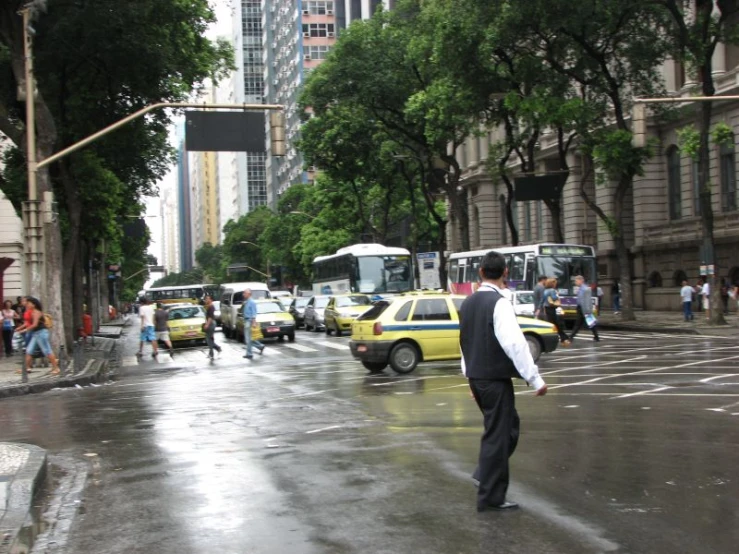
(291, 337)
(328, 329)
(534, 347)
(404, 357)
(338, 330)
(374, 367)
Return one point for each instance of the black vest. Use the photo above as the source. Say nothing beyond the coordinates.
(483, 356)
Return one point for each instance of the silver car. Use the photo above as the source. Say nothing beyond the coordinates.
(313, 316)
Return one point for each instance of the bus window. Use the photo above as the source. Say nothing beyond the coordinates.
(530, 273)
(454, 271)
(516, 268)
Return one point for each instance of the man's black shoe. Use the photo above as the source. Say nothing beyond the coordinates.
(499, 508)
(261, 350)
(248, 356)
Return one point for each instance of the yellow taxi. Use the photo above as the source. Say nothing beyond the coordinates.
(410, 328)
(185, 323)
(342, 310)
(274, 320)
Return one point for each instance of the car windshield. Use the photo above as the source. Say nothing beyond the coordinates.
(355, 300)
(186, 313)
(384, 273)
(301, 302)
(255, 294)
(524, 298)
(321, 302)
(269, 308)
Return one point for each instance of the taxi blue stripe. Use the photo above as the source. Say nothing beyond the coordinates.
(421, 326)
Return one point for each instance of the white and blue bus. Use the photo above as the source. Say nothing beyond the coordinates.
(364, 268)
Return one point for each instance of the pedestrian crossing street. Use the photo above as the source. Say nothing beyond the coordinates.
(231, 349)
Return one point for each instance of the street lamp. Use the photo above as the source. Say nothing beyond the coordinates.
(297, 212)
(268, 275)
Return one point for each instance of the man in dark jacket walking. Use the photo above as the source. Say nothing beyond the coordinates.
(494, 351)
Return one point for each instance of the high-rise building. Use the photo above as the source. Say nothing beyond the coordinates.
(170, 230)
(184, 203)
(248, 43)
(362, 9)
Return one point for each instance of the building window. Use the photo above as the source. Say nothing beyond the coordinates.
(728, 177)
(317, 52)
(696, 191)
(318, 29)
(678, 277)
(527, 223)
(654, 279)
(673, 182)
(318, 7)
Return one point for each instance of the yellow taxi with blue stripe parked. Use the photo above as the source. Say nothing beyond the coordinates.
(415, 327)
(342, 310)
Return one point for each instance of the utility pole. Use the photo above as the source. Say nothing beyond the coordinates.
(31, 208)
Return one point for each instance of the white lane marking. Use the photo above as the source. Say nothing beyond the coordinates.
(333, 345)
(323, 429)
(129, 361)
(300, 347)
(650, 391)
(709, 379)
(592, 366)
(652, 370)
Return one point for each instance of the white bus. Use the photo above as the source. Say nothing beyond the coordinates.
(364, 268)
(525, 264)
(189, 294)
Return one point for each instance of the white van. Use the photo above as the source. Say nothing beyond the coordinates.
(232, 297)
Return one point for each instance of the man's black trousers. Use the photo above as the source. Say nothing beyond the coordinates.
(497, 403)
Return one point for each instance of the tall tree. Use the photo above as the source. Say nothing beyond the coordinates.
(99, 61)
(697, 27)
(611, 52)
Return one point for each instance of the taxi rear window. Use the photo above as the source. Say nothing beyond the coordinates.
(375, 311)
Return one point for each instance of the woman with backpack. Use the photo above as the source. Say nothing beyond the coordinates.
(40, 338)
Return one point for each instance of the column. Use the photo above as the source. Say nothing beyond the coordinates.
(366, 9)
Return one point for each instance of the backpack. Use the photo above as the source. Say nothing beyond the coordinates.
(48, 322)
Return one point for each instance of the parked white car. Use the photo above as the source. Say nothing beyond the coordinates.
(232, 297)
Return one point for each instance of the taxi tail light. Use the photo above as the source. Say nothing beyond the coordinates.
(377, 328)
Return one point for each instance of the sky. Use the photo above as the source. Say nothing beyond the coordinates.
(153, 217)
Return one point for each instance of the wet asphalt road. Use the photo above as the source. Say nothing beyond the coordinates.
(300, 451)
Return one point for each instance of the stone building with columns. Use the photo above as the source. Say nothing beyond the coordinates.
(662, 218)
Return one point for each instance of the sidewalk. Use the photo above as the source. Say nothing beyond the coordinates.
(670, 322)
(22, 472)
(89, 365)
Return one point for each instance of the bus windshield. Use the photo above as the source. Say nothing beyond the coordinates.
(565, 269)
(384, 274)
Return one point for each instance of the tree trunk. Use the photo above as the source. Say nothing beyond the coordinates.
(72, 299)
(555, 210)
(622, 250)
(708, 242)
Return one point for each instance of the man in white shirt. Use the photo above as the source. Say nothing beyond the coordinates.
(490, 359)
(706, 294)
(686, 295)
(146, 314)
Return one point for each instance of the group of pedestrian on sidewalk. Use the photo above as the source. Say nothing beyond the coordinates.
(703, 291)
(26, 318)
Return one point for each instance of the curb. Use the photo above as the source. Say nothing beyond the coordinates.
(94, 371)
(647, 328)
(17, 530)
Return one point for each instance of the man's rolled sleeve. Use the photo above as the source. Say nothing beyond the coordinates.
(514, 344)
